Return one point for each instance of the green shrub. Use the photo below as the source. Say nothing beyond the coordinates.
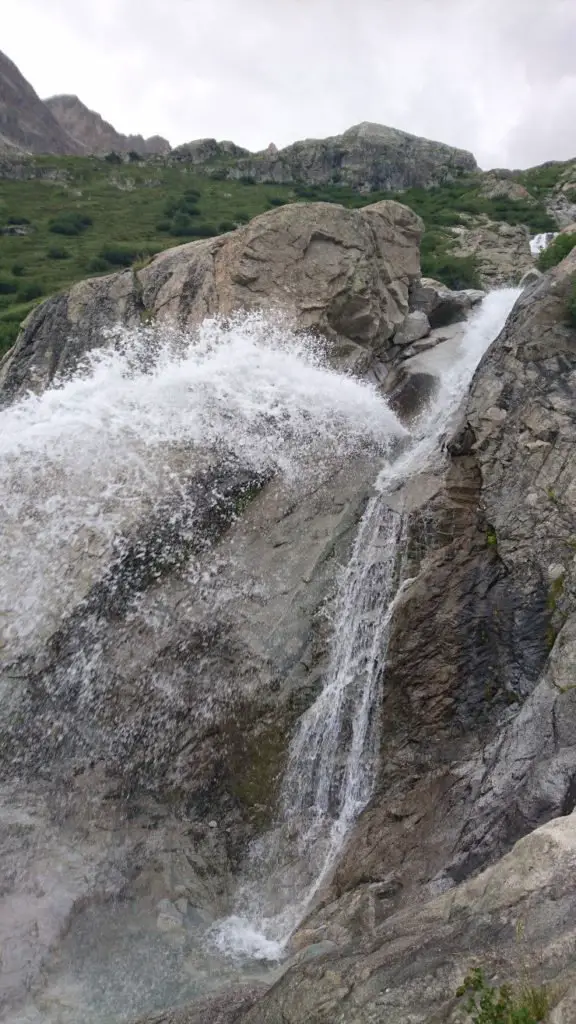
(98, 265)
(504, 1005)
(113, 158)
(556, 251)
(185, 205)
(247, 179)
(7, 287)
(276, 201)
(205, 230)
(120, 256)
(69, 223)
(134, 157)
(34, 290)
(17, 220)
(8, 335)
(241, 217)
(54, 253)
(18, 269)
(225, 226)
(163, 226)
(181, 225)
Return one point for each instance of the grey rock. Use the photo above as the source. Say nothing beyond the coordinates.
(502, 251)
(225, 1008)
(478, 717)
(202, 151)
(339, 273)
(529, 278)
(26, 123)
(415, 326)
(441, 305)
(367, 156)
(515, 920)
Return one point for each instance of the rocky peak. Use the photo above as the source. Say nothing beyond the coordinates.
(26, 124)
(366, 156)
(97, 136)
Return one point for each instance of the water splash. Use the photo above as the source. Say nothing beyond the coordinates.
(84, 460)
(538, 243)
(333, 758)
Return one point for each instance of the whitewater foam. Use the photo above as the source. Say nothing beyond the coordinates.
(90, 455)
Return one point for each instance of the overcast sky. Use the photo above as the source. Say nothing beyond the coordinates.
(494, 76)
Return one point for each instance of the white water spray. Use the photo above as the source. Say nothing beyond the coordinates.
(84, 460)
(333, 758)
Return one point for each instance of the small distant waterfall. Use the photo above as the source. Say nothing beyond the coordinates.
(333, 760)
(540, 242)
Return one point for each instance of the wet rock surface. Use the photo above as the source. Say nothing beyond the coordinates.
(478, 746)
(479, 720)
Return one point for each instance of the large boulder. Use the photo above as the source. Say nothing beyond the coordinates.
(339, 273)
(441, 305)
(146, 720)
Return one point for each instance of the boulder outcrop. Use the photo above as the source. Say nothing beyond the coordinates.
(502, 250)
(341, 274)
(367, 156)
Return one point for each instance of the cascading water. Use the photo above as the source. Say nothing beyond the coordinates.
(91, 456)
(333, 758)
(538, 243)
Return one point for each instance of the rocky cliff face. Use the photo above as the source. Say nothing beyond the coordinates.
(96, 135)
(479, 740)
(26, 124)
(368, 157)
(501, 250)
(478, 745)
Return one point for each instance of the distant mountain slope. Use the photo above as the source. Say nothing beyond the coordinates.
(366, 157)
(96, 135)
(26, 123)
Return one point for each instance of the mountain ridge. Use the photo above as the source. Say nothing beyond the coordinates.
(97, 135)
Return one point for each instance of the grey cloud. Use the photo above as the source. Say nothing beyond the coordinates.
(494, 76)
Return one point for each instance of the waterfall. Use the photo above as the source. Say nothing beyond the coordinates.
(333, 757)
(540, 242)
(90, 459)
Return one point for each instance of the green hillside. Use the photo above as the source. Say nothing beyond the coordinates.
(66, 218)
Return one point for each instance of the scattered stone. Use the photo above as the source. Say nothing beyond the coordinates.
(415, 326)
(530, 277)
(441, 305)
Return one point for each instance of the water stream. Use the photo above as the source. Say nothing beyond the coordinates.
(334, 755)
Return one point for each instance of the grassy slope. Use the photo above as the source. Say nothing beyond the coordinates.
(129, 207)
